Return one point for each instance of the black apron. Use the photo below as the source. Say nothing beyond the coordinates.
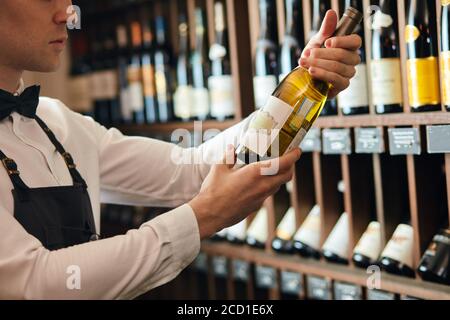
(59, 217)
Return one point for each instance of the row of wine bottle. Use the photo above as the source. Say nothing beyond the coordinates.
(124, 68)
(273, 64)
(396, 258)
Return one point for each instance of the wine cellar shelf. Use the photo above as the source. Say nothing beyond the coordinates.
(389, 283)
(377, 184)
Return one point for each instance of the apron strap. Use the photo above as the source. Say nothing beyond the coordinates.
(76, 176)
(13, 173)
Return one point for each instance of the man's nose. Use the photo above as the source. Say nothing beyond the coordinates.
(64, 11)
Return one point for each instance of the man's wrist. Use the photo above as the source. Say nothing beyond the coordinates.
(207, 223)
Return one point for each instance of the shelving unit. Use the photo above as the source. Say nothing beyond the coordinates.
(374, 183)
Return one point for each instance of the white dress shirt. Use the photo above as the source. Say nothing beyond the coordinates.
(117, 169)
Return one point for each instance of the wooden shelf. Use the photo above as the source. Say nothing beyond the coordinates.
(390, 120)
(400, 285)
(167, 128)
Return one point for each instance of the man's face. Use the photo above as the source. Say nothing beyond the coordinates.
(33, 33)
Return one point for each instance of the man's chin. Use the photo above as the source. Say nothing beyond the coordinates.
(47, 68)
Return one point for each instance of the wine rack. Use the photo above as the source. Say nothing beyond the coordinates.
(377, 182)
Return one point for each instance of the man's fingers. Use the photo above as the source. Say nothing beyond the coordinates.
(352, 42)
(343, 69)
(337, 81)
(326, 30)
(350, 58)
(283, 163)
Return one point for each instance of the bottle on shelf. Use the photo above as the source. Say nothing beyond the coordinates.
(285, 231)
(148, 68)
(200, 69)
(220, 83)
(293, 42)
(290, 111)
(385, 65)
(97, 79)
(319, 9)
(307, 239)
(355, 99)
(238, 233)
(123, 53)
(445, 52)
(368, 250)
(266, 56)
(134, 71)
(183, 97)
(422, 56)
(163, 71)
(220, 236)
(435, 263)
(80, 91)
(336, 247)
(257, 232)
(109, 73)
(397, 256)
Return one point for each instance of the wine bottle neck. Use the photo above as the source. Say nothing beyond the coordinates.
(292, 18)
(267, 14)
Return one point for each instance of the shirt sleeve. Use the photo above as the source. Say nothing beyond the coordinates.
(148, 172)
(122, 267)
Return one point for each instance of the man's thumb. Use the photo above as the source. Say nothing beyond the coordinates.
(328, 27)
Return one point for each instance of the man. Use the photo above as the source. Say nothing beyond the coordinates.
(58, 166)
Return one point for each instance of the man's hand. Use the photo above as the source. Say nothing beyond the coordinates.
(228, 196)
(336, 63)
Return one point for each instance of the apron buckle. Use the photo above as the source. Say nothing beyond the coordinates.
(69, 160)
(10, 166)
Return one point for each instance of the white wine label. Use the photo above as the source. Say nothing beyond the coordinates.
(221, 93)
(266, 125)
(286, 228)
(200, 105)
(264, 86)
(400, 247)
(80, 97)
(161, 86)
(258, 227)
(95, 82)
(356, 95)
(381, 20)
(122, 37)
(370, 243)
(239, 230)
(136, 94)
(217, 51)
(110, 84)
(337, 241)
(183, 102)
(386, 81)
(125, 103)
(309, 232)
(412, 33)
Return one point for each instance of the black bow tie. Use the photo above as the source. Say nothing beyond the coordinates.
(25, 104)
